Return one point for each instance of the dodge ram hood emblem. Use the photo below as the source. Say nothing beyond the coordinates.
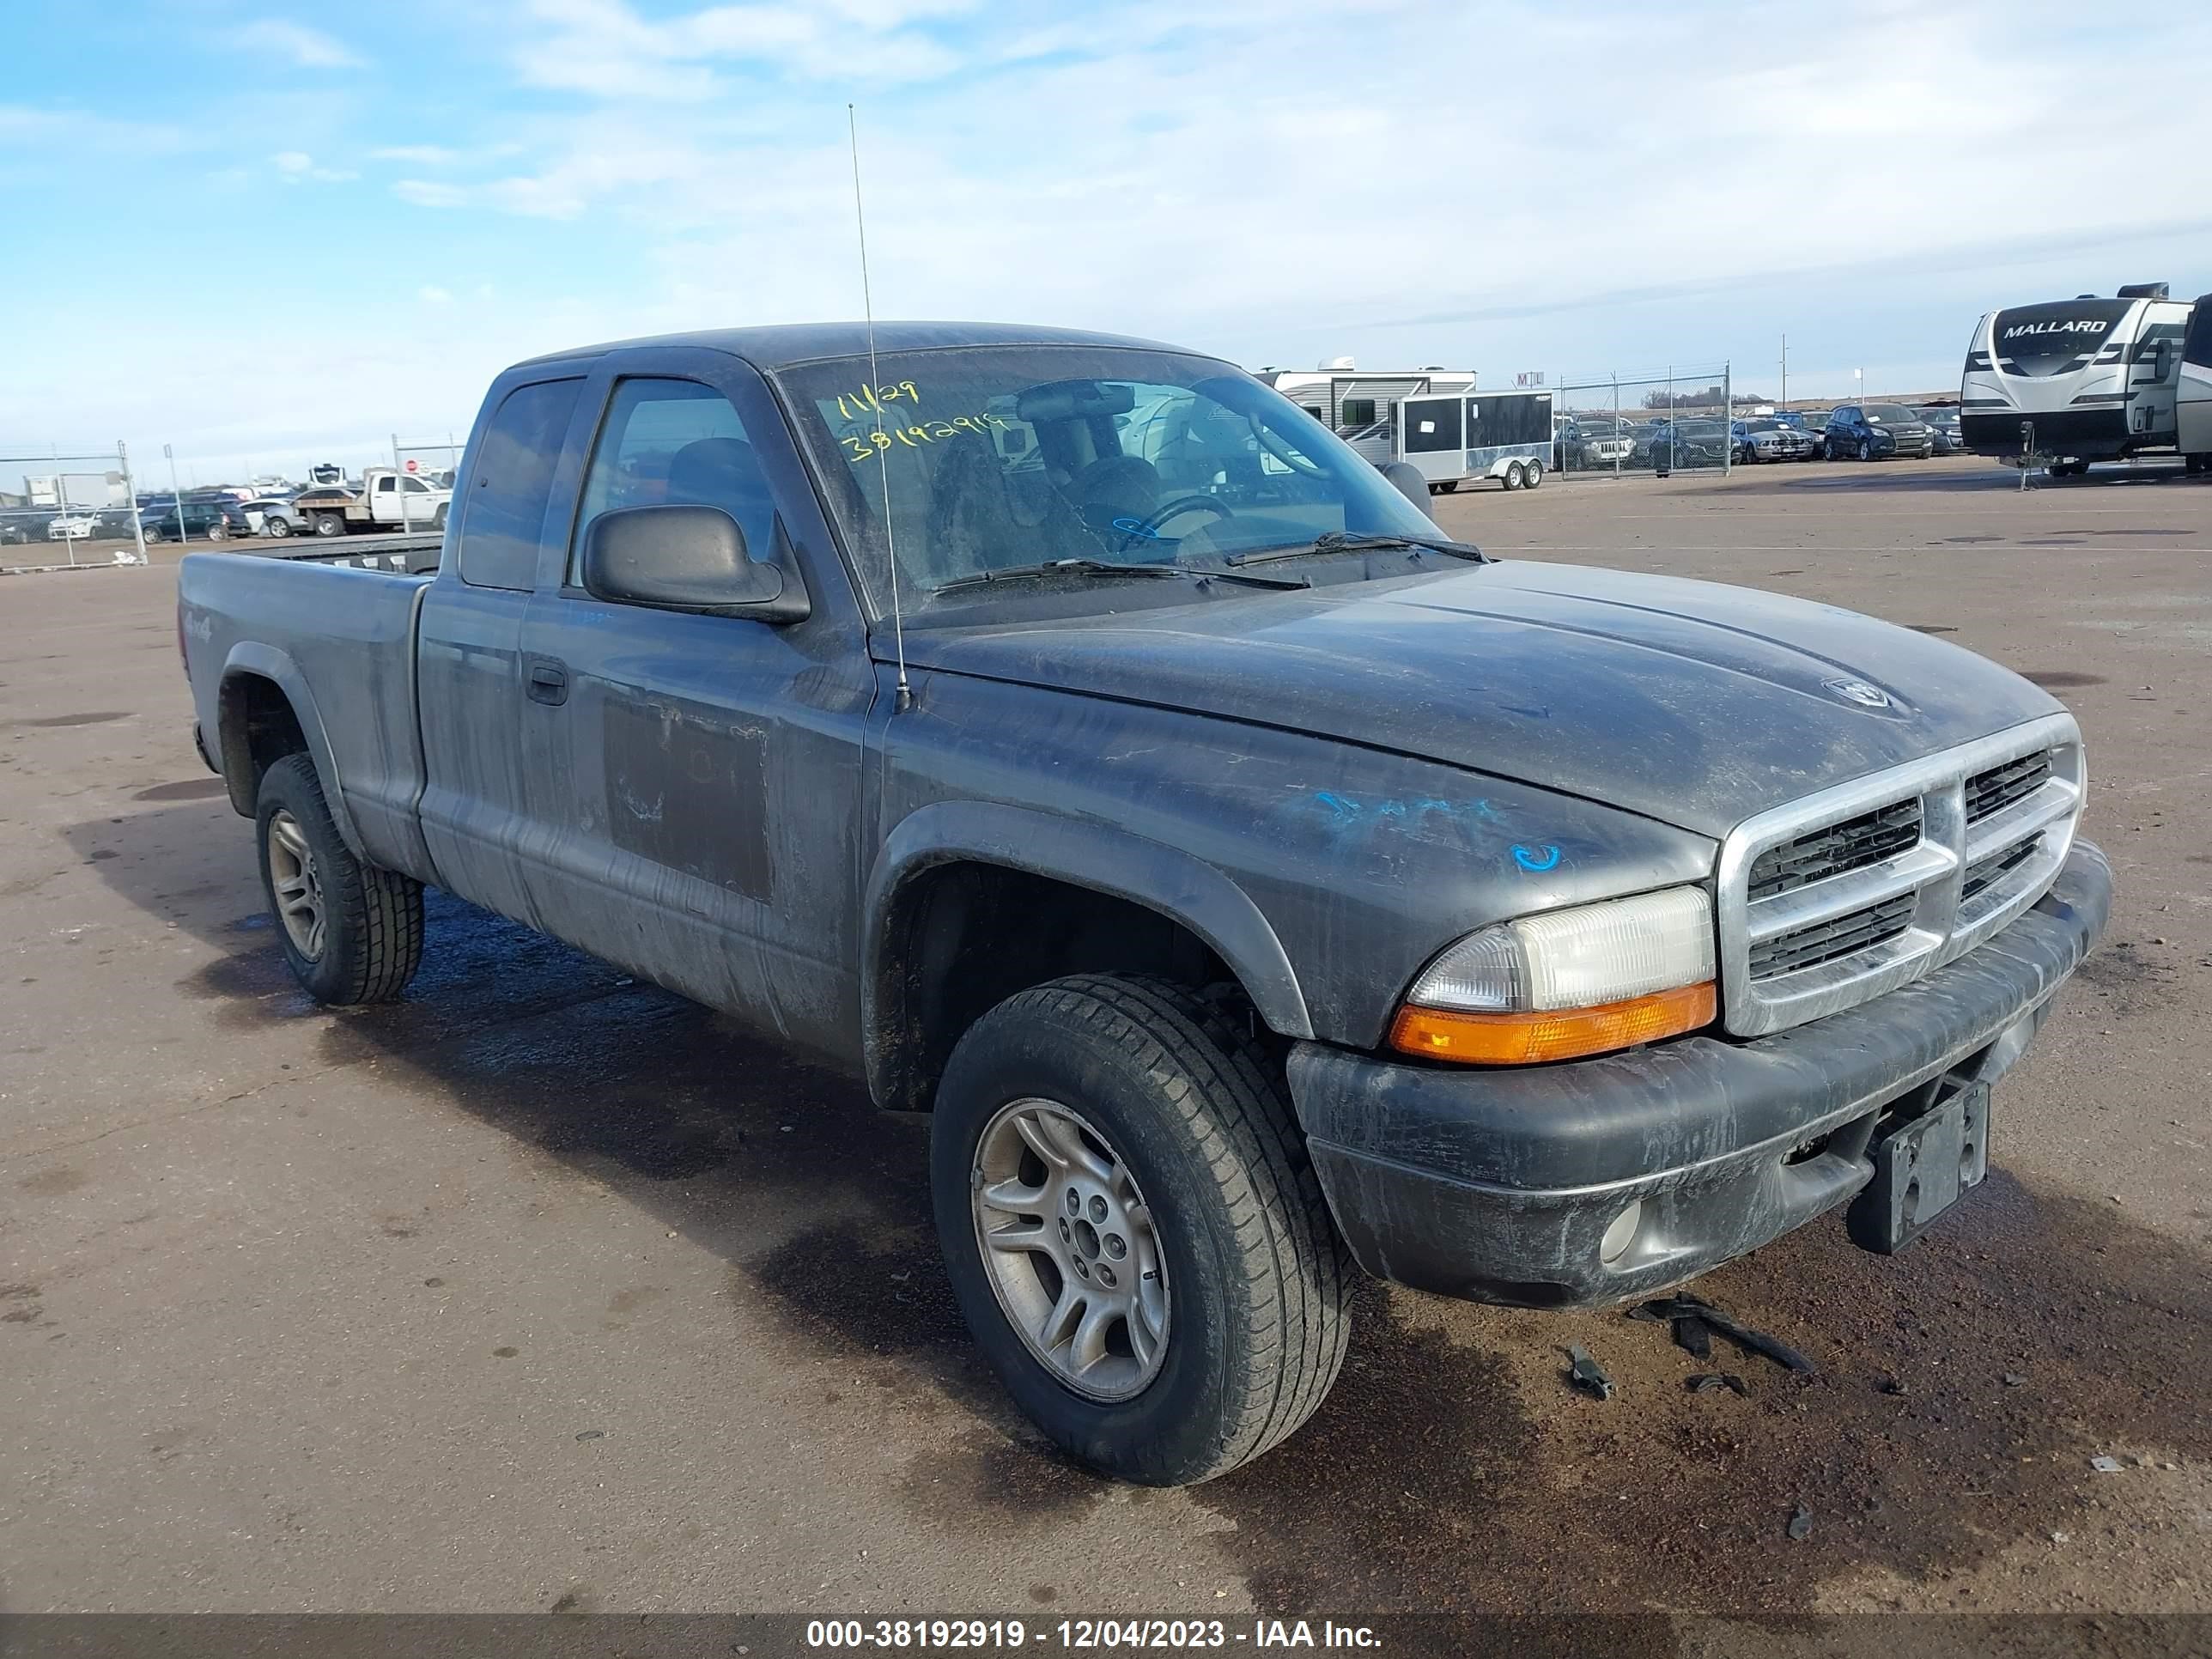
(1858, 691)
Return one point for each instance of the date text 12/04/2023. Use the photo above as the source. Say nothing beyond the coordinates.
(1083, 1635)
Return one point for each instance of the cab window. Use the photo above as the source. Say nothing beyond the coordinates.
(667, 441)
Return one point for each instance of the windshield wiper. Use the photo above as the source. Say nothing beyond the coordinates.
(1336, 540)
(1107, 567)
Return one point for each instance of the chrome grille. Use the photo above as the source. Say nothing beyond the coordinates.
(1832, 900)
(1826, 941)
(1837, 849)
(2001, 786)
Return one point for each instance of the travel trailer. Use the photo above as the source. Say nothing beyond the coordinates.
(2192, 410)
(1360, 406)
(2083, 380)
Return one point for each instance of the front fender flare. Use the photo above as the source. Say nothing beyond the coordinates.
(250, 657)
(1084, 854)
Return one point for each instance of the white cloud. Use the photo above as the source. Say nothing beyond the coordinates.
(604, 48)
(424, 156)
(428, 192)
(296, 166)
(431, 294)
(309, 48)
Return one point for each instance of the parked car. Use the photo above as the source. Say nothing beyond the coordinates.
(20, 527)
(1943, 427)
(1248, 881)
(212, 521)
(1813, 423)
(1879, 432)
(1766, 438)
(76, 524)
(1694, 441)
(276, 515)
(1601, 442)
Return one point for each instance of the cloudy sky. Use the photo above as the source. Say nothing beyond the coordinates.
(272, 234)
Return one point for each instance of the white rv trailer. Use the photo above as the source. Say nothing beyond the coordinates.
(2192, 407)
(1361, 406)
(2083, 379)
(1450, 439)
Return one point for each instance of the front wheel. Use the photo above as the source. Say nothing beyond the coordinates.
(277, 525)
(1866, 449)
(1514, 477)
(351, 932)
(1132, 1230)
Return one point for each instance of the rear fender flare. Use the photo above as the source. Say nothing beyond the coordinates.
(1164, 878)
(252, 658)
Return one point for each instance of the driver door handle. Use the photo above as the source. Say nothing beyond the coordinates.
(549, 681)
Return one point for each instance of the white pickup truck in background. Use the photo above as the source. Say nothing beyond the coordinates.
(388, 499)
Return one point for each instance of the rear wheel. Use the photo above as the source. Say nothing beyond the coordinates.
(1132, 1230)
(330, 524)
(350, 932)
(219, 532)
(1535, 476)
(1514, 476)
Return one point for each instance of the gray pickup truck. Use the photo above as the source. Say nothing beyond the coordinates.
(1070, 737)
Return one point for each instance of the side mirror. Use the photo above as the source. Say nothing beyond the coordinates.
(1406, 480)
(684, 558)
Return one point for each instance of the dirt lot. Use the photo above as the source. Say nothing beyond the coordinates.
(547, 1290)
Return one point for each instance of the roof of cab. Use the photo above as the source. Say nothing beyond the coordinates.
(785, 344)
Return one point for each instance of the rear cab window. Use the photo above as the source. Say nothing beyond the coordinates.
(510, 483)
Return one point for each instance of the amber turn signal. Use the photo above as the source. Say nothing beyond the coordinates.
(1527, 1039)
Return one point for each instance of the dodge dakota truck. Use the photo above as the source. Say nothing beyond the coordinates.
(1071, 737)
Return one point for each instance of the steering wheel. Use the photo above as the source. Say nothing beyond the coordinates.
(1148, 529)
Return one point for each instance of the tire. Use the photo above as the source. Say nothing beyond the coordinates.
(1533, 478)
(1866, 449)
(1445, 488)
(330, 524)
(277, 525)
(1253, 1280)
(1514, 477)
(219, 532)
(370, 936)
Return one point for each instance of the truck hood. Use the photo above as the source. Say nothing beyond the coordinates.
(1691, 702)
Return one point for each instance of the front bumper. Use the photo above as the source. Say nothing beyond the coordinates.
(1499, 1186)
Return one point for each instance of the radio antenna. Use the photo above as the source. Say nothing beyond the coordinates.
(883, 444)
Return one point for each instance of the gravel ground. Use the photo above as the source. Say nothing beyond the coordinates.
(544, 1289)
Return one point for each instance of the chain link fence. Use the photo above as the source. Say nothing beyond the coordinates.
(71, 506)
(1652, 421)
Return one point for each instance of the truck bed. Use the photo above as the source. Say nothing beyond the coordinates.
(242, 617)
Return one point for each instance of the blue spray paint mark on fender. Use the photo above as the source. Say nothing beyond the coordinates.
(1534, 861)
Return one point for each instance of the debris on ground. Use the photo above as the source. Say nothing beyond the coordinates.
(1586, 1373)
(1889, 1385)
(1800, 1524)
(1713, 1382)
(2107, 1465)
(1696, 1322)
(2013, 1379)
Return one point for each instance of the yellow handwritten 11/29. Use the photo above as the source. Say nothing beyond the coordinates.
(870, 400)
(862, 445)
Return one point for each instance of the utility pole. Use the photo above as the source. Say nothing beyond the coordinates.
(176, 495)
(1785, 371)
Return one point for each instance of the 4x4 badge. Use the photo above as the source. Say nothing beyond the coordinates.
(1858, 691)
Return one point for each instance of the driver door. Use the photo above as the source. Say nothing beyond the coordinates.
(695, 779)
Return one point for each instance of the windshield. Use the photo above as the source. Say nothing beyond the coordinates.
(1889, 412)
(1001, 457)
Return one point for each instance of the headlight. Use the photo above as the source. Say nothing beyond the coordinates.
(1566, 983)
